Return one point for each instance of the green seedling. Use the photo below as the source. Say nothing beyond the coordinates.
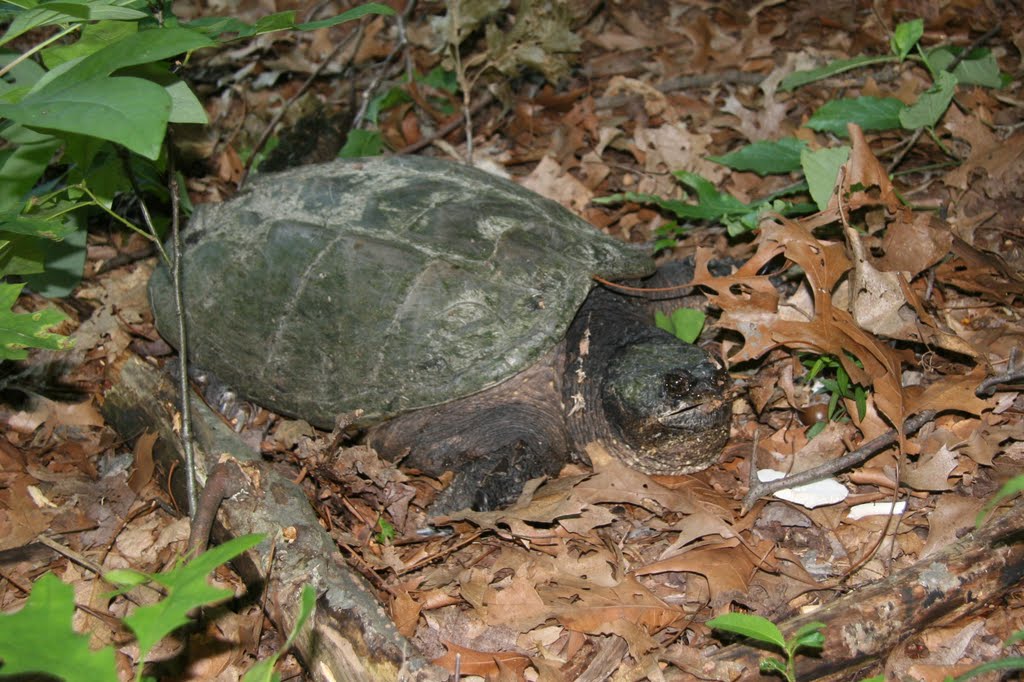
(837, 384)
(685, 323)
(764, 631)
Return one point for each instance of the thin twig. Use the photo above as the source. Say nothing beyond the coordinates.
(864, 452)
(1014, 374)
(179, 304)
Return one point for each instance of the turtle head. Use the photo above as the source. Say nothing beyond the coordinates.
(666, 400)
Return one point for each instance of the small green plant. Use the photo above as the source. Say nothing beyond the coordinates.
(762, 630)
(820, 167)
(836, 382)
(387, 531)
(90, 117)
(39, 638)
(683, 323)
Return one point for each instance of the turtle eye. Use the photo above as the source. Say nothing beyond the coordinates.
(677, 385)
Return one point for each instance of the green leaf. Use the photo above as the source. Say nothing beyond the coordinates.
(1010, 488)
(186, 589)
(387, 531)
(774, 666)
(905, 37)
(748, 625)
(40, 639)
(808, 636)
(94, 38)
(349, 15)
(143, 47)
(687, 324)
(870, 113)
(392, 98)
(362, 143)
(765, 158)
(1014, 638)
(931, 105)
(821, 168)
(130, 111)
(264, 670)
(20, 331)
(798, 78)
(978, 69)
(52, 13)
(441, 79)
(21, 169)
(1010, 663)
(65, 263)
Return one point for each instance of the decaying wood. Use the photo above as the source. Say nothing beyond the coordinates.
(869, 621)
(349, 637)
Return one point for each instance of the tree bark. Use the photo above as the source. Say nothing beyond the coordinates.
(349, 636)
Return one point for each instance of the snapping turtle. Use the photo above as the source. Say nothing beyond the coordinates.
(455, 310)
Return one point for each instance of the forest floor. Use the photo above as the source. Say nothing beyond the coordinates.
(905, 297)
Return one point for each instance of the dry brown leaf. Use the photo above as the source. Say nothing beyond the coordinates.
(592, 610)
(614, 482)
(405, 611)
(728, 569)
(483, 663)
(932, 471)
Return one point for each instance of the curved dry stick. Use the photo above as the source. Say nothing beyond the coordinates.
(762, 489)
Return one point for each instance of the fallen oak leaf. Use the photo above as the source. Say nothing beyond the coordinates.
(591, 610)
(483, 663)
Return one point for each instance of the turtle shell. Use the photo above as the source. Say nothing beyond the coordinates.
(383, 285)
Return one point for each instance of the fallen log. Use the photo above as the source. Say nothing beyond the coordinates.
(349, 636)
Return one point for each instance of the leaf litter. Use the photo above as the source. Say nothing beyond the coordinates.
(918, 307)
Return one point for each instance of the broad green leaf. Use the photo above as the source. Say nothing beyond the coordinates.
(870, 113)
(362, 143)
(94, 38)
(20, 255)
(754, 627)
(931, 105)
(64, 264)
(40, 639)
(19, 331)
(821, 168)
(187, 588)
(130, 111)
(686, 324)
(978, 69)
(798, 78)
(139, 48)
(264, 670)
(765, 158)
(68, 13)
(905, 37)
(21, 169)
(37, 225)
